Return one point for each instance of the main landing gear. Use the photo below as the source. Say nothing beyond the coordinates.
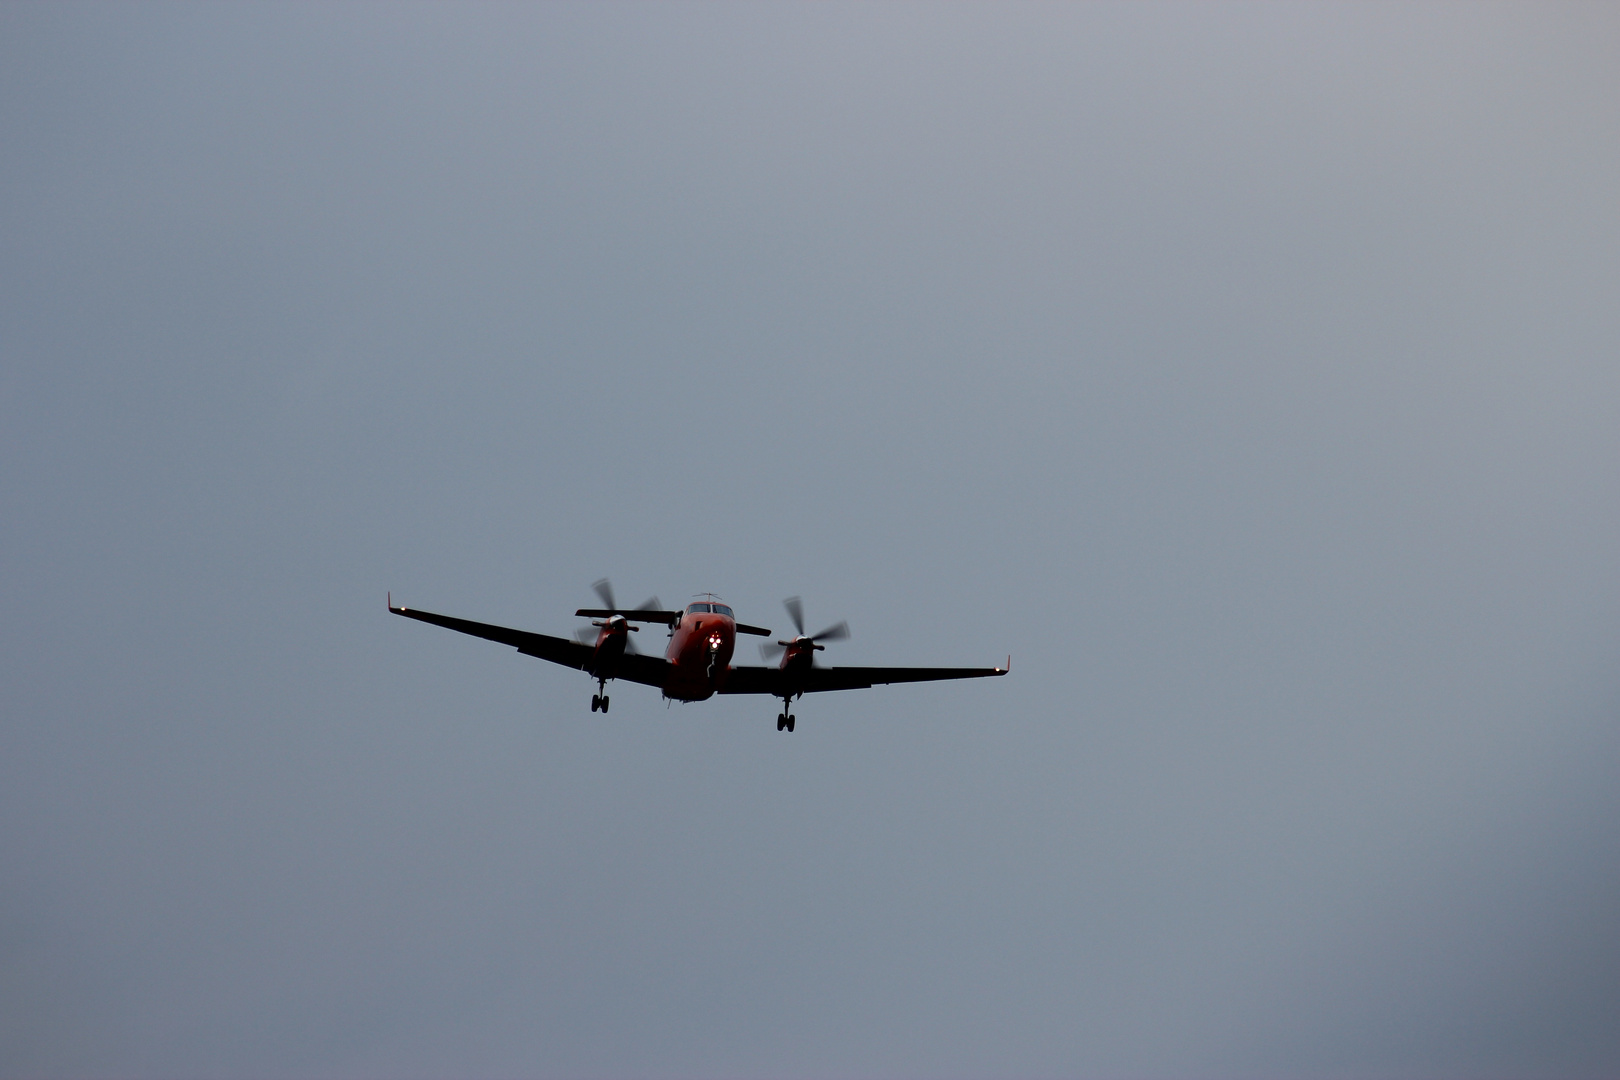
(600, 700)
(784, 719)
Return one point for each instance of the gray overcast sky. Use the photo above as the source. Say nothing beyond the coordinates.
(1251, 374)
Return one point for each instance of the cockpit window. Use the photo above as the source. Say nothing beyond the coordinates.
(721, 609)
(697, 609)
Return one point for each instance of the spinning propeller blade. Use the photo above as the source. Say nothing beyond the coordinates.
(604, 589)
(836, 632)
(586, 635)
(795, 609)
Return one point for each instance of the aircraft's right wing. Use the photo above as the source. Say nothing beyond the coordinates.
(648, 670)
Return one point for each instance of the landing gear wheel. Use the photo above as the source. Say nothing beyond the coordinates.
(596, 702)
(790, 724)
(781, 721)
(604, 703)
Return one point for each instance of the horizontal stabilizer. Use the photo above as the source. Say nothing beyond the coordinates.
(633, 614)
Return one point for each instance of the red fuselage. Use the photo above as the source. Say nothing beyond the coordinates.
(699, 652)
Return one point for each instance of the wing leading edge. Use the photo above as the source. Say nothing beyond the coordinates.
(647, 670)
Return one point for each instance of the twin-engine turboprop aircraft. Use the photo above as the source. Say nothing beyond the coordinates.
(697, 661)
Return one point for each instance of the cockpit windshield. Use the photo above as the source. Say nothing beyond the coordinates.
(697, 609)
(721, 609)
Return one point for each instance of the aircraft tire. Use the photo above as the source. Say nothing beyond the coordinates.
(596, 702)
(604, 703)
(781, 721)
(790, 724)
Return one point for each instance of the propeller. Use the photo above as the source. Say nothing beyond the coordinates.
(586, 635)
(795, 609)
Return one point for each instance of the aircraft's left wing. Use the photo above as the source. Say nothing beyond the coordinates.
(770, 680)
(649, 670)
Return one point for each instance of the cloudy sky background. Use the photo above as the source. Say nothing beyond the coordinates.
(1250, 374)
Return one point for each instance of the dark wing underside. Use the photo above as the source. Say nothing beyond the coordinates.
(639, 668)
(649, 670)
(769, 680)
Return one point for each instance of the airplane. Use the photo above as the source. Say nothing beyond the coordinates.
(697, 660)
